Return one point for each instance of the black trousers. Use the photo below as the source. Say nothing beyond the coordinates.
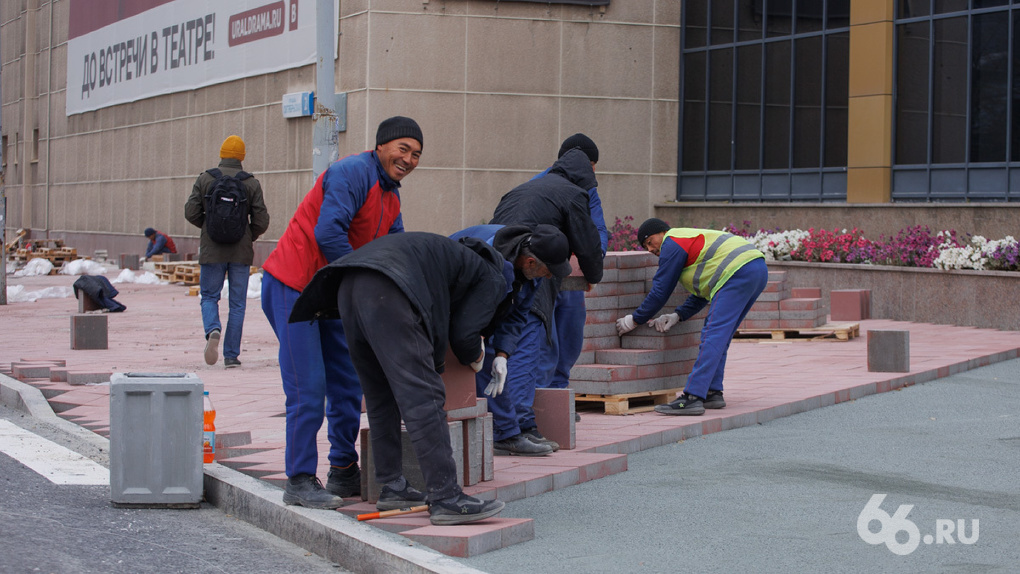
(392, 354)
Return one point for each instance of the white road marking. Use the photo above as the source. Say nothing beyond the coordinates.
(58, 464)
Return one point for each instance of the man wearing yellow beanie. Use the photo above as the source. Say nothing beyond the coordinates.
(226, 203)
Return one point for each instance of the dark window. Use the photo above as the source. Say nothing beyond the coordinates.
(748, 140)
(720, 115)
(722, 21)
(949, 94)
(990, 80)
(777, 105)
(695, 24)
(956, 127)
(764, 87)
(807, 102)
(837, 91)
(946, 6)
(694, 111)
(912, 93)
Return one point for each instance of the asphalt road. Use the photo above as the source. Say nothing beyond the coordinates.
(786, 496)
(50, 528)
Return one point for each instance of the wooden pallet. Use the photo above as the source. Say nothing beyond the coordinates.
(827, 332)
(187, 274)
(622, 404)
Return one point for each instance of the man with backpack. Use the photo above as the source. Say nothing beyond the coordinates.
(226, 203)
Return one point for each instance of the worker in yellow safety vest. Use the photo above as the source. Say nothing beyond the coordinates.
(714, 267)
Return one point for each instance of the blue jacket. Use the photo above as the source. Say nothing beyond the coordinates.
(508, 242)
(672, 259)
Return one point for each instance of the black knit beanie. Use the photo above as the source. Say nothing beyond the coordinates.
(398, 127)
(650, 227)
(581, 141)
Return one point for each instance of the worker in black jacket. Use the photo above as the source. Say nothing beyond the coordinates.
(560, 199)
(402, 297)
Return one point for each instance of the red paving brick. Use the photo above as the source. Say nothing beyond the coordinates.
(162, 332)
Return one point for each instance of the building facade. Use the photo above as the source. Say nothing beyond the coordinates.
(495, 85)
(783, 112)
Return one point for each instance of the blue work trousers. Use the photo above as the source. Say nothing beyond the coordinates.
(504, 413)
(530, 365)
(729, 307)
(210, 281)
(318, 378)
(570, 316)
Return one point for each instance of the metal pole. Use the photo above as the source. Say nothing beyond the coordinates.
(3, 220)
(325, 148)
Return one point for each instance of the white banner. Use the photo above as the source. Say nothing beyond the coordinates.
(186, 44)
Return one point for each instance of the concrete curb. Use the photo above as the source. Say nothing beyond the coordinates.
(335, 536)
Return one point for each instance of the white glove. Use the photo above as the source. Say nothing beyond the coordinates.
(625, 325)
(498, 377)
(477, 365)
(665, 322)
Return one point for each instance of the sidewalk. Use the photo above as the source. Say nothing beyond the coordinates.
(161, 331)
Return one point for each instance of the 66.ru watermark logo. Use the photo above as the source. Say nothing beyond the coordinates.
(891, 526)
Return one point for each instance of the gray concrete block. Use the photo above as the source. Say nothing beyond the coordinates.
(129, 261)
(889, 351)
(89, 332)
(156, 440)
(87, 377)
(86, 303)
(474, 443)
(412, 469)
(488, 464)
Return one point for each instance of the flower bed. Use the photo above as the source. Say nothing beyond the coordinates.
(916, 275)
(914, 246)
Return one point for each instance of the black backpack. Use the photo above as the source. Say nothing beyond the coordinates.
(226, 207)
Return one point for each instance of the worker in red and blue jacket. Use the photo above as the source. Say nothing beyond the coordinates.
(713, 267)
(159, 243)
(354, 201)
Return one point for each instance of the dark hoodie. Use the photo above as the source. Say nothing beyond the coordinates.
(454, 286)
(560, 199)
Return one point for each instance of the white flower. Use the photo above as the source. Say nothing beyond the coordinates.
(777, 246)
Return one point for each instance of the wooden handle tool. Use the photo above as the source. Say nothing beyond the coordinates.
(398, 512)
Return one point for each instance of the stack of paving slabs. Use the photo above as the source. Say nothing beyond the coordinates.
(781, 307)
(616, 373)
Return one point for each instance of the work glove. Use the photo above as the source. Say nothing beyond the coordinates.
(625, 325)
(498, 377)
(665, 322)
(477, 365)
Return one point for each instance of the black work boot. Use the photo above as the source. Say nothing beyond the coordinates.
(685, 404)
(462, 509)
(519, 445)
(536, 437)
(306, 490)
(344, 482)
(714, 400)
(392, 499)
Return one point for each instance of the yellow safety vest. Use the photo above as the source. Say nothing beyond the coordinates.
(712, 258)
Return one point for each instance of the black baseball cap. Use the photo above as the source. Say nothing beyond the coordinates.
(551, 247)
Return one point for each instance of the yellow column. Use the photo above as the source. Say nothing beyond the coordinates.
(870, 113)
